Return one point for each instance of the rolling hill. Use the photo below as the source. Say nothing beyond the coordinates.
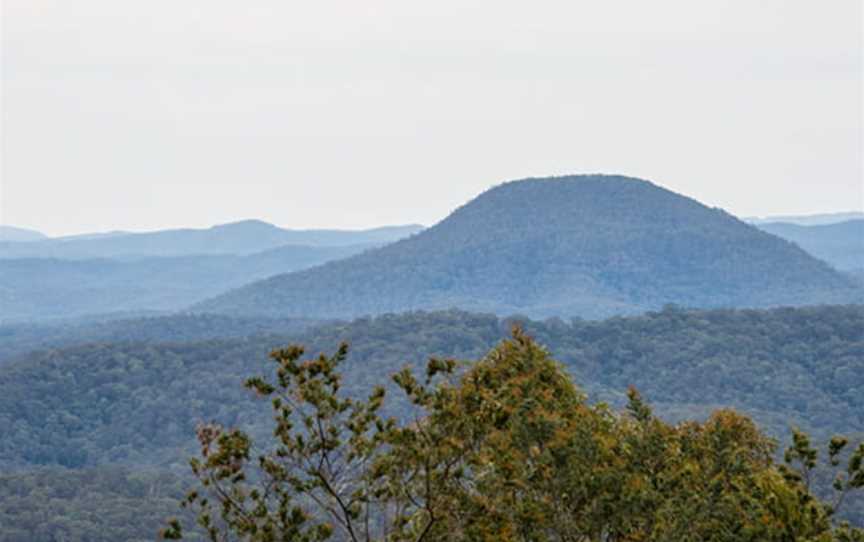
(589, 246)
(246, 237)
(44, 288)
(841, 244)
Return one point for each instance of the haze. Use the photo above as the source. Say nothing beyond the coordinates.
(145, 115)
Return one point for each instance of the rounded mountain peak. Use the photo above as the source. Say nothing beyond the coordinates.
(578, 204)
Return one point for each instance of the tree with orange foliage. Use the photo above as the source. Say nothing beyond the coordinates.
(506, 448)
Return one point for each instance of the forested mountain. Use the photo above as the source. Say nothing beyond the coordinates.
(13, 234)
(245, 237)
(841, 244)
(590, 246)
(37, 288)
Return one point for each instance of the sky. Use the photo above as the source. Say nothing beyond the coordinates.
(142, 115)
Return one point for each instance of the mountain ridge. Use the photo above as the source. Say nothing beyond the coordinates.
(240, 238)
(33, 289)
(819, 219)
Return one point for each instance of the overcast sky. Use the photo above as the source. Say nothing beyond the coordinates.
(140, 115)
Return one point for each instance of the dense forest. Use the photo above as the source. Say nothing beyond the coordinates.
(22, 338)
(135, 404)
(106, 504)
(589, 246)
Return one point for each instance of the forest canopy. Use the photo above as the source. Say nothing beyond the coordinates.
(123, 398)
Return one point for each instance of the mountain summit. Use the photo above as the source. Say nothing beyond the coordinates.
(589, 246)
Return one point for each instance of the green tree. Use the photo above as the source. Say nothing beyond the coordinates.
(507, 448)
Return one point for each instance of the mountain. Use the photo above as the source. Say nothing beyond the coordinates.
(240, 238)
(589, 246)
(13, 234)
(808, 220)
(44, 288)
(841, 244)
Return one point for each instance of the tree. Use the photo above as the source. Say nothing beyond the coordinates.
(506, 448)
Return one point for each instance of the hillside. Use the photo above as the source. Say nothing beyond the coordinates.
(22, 338)
(841, 244)
(42, 288)
(590, 246)
(245, 237)
(137, 404)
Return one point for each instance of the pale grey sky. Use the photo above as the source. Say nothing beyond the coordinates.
(138, 115)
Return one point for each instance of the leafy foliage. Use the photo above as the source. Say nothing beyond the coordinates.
(507, 449)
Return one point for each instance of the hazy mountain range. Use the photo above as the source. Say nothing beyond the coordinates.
(841, 244)
(807, 220)
(590, 246)
(162, 271)
(245, 237)
(40, 288)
